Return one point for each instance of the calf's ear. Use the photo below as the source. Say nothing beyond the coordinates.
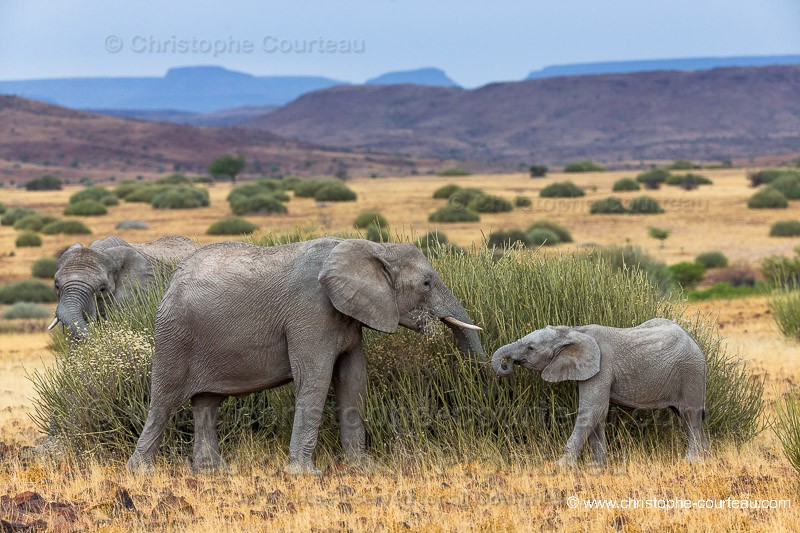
(577, 359)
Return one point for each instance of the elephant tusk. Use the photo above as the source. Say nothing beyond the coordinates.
(52, 324)
(461, 324)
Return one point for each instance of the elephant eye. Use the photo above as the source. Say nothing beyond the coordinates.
(102, 289)
(427, 284)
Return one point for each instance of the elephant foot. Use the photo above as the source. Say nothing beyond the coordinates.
(694, 458)
(210, 465)
(566, 462)
(302, 469)
(51, 447)
(138, 464)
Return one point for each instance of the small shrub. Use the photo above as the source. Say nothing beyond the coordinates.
(271, 188)
(127, 187)
(11, 217)
(488, 203)
(522, 201)
(455, 171)
(632, 260)
(28, 239)
(723, 291)
(27, 291)
(783, 228)
(132, 224)
(787, 425)
(85, 208)
(2, 208)
(763, 177)
(542, 237)
(434, 243)
(659, 234)
(44, 268)
(785, 309)
(712, 259)
(265, 204)
(32, 222)
(66, 227)
(564, 189)
(98, 194)
(768, 198)
(789, 186)
(451, 213)
(145, 193)
(335, 191)
(583, 166)
(180, 197)
(644, 205)
(736, 275)
(781, 270)
(538, 171)
(370, 218)
(464, 197)
(560, 231)
(507, 238)
(231, 226)
(652, 179)
(607, 206)
(45, 183)
(687, 274)
(26, 310)
(688, 181)
(444, 192)
(175, 179)
(308, 188)
(682, 164)
(626, 184)
(377, 233)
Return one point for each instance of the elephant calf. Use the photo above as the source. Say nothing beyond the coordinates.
(654, 365)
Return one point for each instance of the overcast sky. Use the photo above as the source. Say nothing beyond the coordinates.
(474, 41)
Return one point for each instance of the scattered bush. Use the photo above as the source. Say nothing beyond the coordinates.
(682, 164)
(652, 179)
(712, 260)
(607, 206)
(308, 188)
(687, 274)
(560, 231)
(455, 171)
(723, 291)
(132, 224)
(180, 197)
(45, 183)
(487, 203)
(2, 208)
(231, 226)
(644, 205)
(538, 171)
(564, 189)
(11, 217)
(783, 228)
(452, 213)
(737, 275)
(175, 179)
(26, 310)
(434, 243)
(507, 238)
(688, 181)
(781, 270)
(522, 201)
(98, 194)
(264, 187)
(66, 227)
(583, 166)
(377, 233)
(766, 176)
(32, 222)
(370, 218)
(85, 208)
(787, 425)
(127, 187)
(542, 237)
(785, 309)
(26, 291)
(445, 191)
(789, 186)
(768, 198)
(659, 234)
(28, 239)
(626, 184)
(265, 204)
(335, 191)
(464, 197)
(145, 193)
(44, 268)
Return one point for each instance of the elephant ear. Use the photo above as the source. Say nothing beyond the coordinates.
(129, 268)
(358, 279)
(577, 358)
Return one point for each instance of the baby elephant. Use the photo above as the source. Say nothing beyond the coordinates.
(654, 365)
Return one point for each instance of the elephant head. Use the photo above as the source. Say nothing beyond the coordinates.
(384, 286)
(88, 278)
(559, 353)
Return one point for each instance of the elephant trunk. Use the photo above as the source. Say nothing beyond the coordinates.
(73, 307)
(503, 361)
(467, 338)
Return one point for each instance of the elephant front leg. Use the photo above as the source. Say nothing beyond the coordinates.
(206, 456)
(350, 385)
(592, 411)
(597, 443)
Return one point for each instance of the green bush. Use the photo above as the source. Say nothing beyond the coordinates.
(145, 193)
(85, 208)
(560, 231)
(564, 189)
(28, 239)
(542, 237)
(27, 291)
(644, 205)
(464, 197)
(652, 179)
(127, 187)
(66, 227)
(264, 204)
(445, 191)
(455, 171)
(631, 260)
(723, 291)
(607, 206)
(583, 166)
(768, 198)
(335, 191)
(98, 194)
(507, 238)
(11, 217)
(308, 188)
(682, 164)
(44, 268)
(265, 187)
(687, 274)
(2, 208)
(688, 181)
(377, 233)
(712, 259)
(180, 197)
(26, 310)
(659, 234)
(783, 228)
(45, 183)
(787, 427)
(626, 184)
(452, 213)
(789, 186)
(488, 203)
(768, 175)
(231, 226)
(370, 218)
(434, 243)
(538, 171)
(431, 401)
(175, 179)
(785, 309)
(522, 201)
(32, 222)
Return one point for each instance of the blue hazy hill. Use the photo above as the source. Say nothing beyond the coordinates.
(424, 76)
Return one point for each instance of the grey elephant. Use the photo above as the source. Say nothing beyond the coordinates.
(654, 365)
(238, 318)
(89, 278)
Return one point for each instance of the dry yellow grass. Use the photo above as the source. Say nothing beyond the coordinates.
(431, 496)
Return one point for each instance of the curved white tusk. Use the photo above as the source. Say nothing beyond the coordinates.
(460, 324)
(52, 324)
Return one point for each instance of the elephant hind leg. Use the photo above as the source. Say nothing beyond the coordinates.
(206, 456)
(350, 386)
(698, 440)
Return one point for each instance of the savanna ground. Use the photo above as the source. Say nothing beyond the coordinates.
(429, 494)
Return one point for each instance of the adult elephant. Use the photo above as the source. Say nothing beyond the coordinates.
(238, 318)
(108, 270)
